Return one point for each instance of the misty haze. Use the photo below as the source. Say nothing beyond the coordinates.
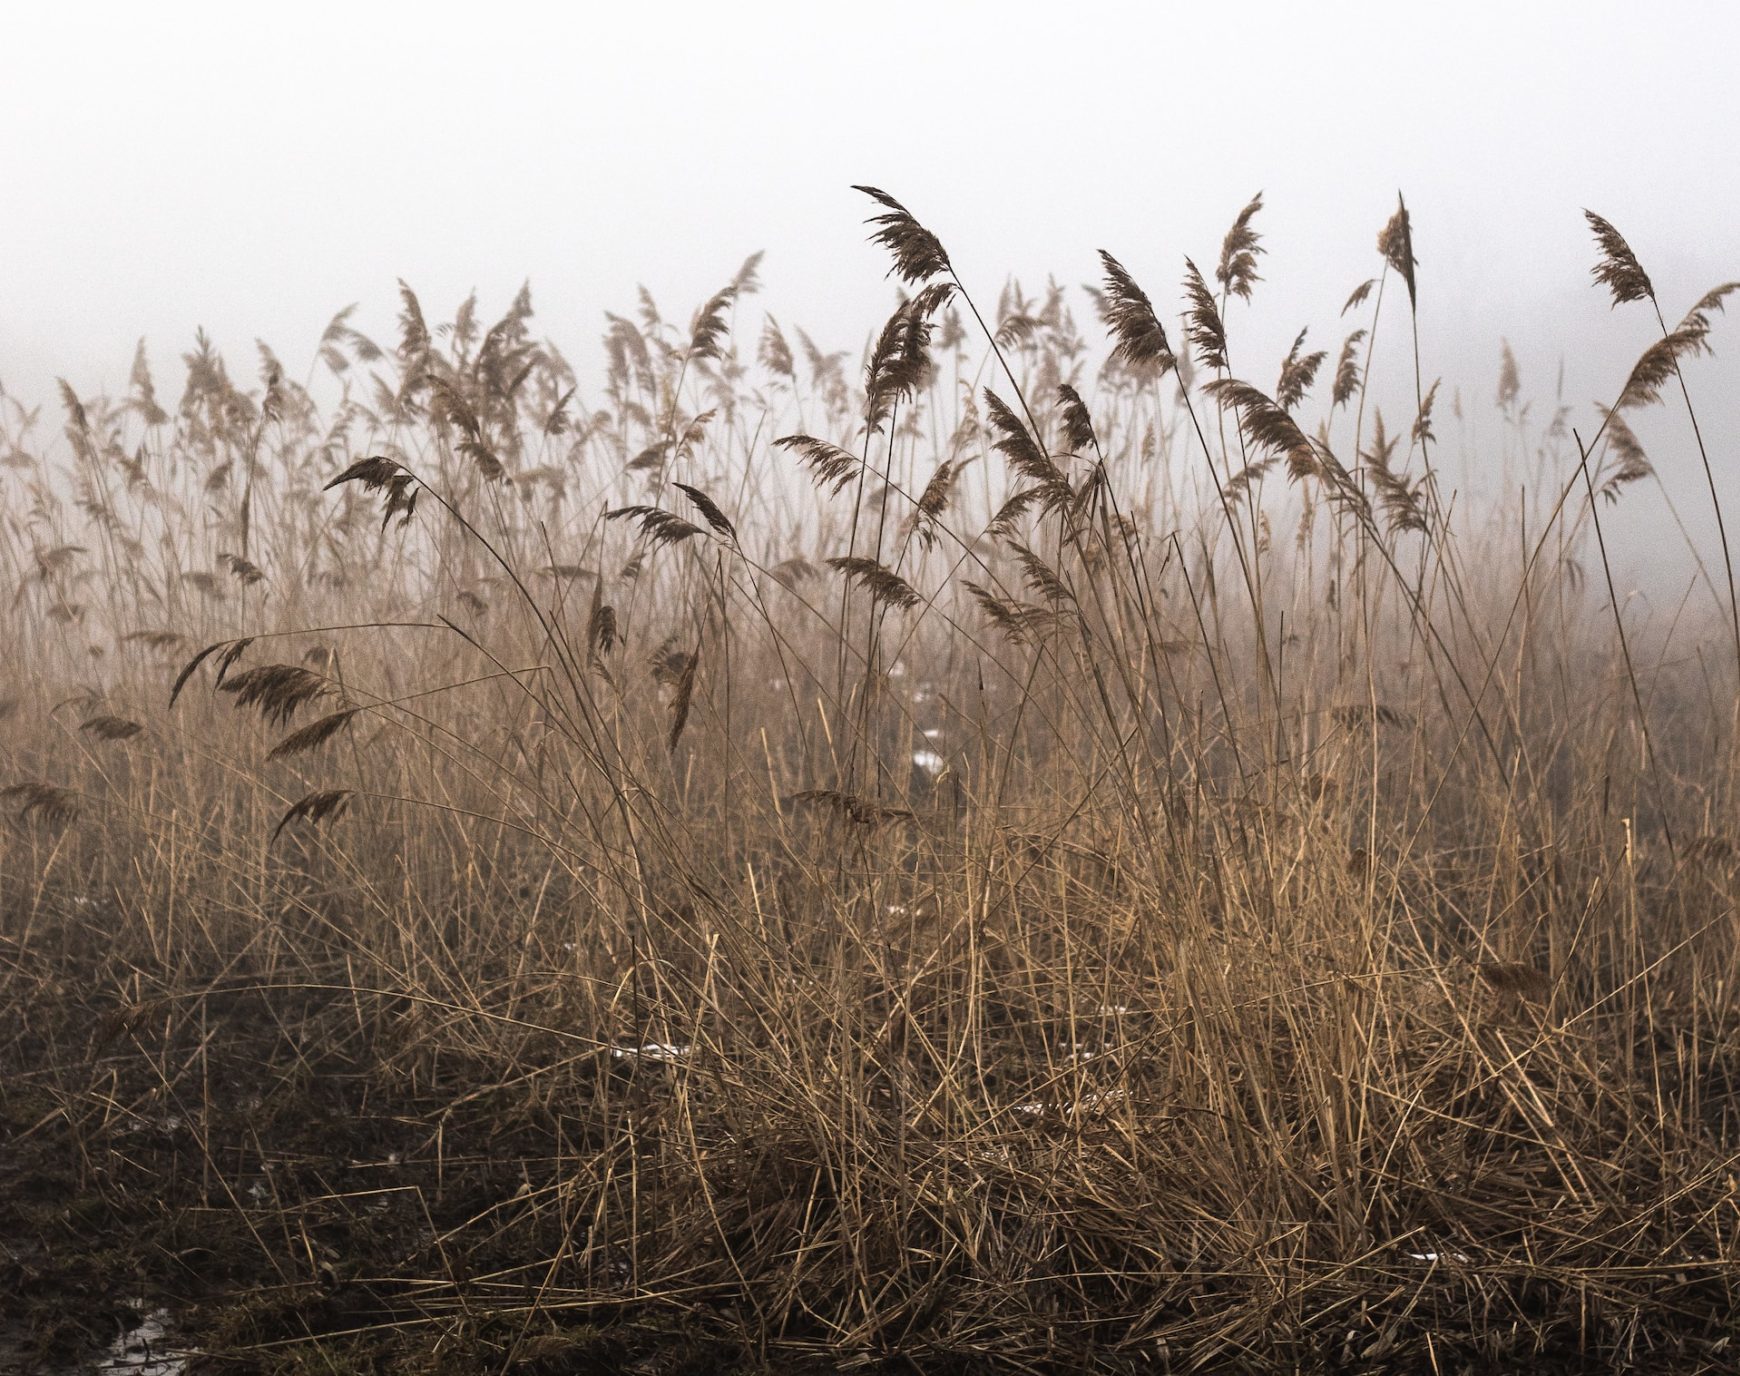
(986, 689)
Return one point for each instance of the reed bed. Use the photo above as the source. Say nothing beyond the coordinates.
(1033, 849)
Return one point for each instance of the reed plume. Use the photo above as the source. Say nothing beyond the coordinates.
(1139, 335)
(1237, 272)
(1396, 244)
(314, 808)
(1617, 269)
(918, 254)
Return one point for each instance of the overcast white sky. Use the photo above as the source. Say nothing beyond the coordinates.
(252, 169)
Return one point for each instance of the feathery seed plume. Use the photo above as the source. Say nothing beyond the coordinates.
(1141, 338)
(918, 254)
(1618, 269)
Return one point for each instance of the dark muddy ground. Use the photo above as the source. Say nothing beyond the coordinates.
(236, 1179)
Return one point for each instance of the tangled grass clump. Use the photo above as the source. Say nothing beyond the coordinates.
(1032, 858)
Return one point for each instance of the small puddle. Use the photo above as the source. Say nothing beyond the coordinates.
(145, 1350)
(142, 1350)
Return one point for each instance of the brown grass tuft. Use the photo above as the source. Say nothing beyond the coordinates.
(859, 811)
(313, 736)
(106, 728)
(1237, 272)
(1202, 320)
(1139, 335)
(49, 803)
(1618, 269)
(682, 697)
(1078, 425)
(315, 808)
(244, 570)
(882, 583)
(709, 510)
(1396, 243)
(828, 465)
(227, 651)
(918, 254)
(900, 360)
(601, 630)
(1660, 363)
(276, 691)
(1298, 372)
(1017, 444)
(657, 526)
(1347, 375)
(1267, 426)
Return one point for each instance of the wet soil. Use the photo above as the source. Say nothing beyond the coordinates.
(259, 1185)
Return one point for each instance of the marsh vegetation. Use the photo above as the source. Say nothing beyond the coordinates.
(1045, 847)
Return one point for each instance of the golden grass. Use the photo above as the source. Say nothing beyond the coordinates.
(1067, 860)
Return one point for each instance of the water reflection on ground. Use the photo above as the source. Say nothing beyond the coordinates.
(143, 1350)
